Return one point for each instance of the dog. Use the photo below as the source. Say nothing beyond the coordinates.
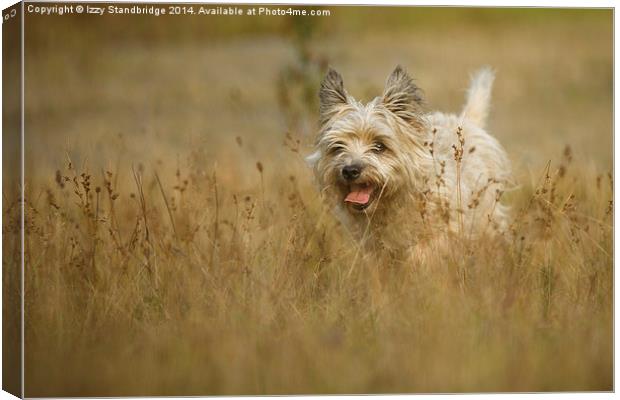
(398, 176)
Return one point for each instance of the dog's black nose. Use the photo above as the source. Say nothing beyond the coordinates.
(351, 172)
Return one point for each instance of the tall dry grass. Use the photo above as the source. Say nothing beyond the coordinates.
(176, 244)
(169, 282)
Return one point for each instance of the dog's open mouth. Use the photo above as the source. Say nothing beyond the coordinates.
(360, 196)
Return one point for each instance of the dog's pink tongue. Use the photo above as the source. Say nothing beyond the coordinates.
(359, 195)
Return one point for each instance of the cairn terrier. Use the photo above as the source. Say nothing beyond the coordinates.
(398, 175)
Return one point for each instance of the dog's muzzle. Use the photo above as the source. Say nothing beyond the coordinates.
(352, 172)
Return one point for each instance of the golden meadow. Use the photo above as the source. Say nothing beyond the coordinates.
(176, 243)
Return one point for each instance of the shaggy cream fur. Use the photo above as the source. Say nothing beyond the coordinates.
(398, 175)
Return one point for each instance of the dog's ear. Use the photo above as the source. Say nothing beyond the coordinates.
(331, 95)
(402, 97)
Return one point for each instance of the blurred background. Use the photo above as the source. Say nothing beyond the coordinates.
(152, 87)
(234, 98)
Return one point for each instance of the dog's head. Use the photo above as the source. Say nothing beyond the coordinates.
(366, 153)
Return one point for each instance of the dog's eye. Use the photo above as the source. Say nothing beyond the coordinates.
(336, 148)
(378, 147)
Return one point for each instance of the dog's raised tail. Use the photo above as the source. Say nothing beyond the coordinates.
(478, 98)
